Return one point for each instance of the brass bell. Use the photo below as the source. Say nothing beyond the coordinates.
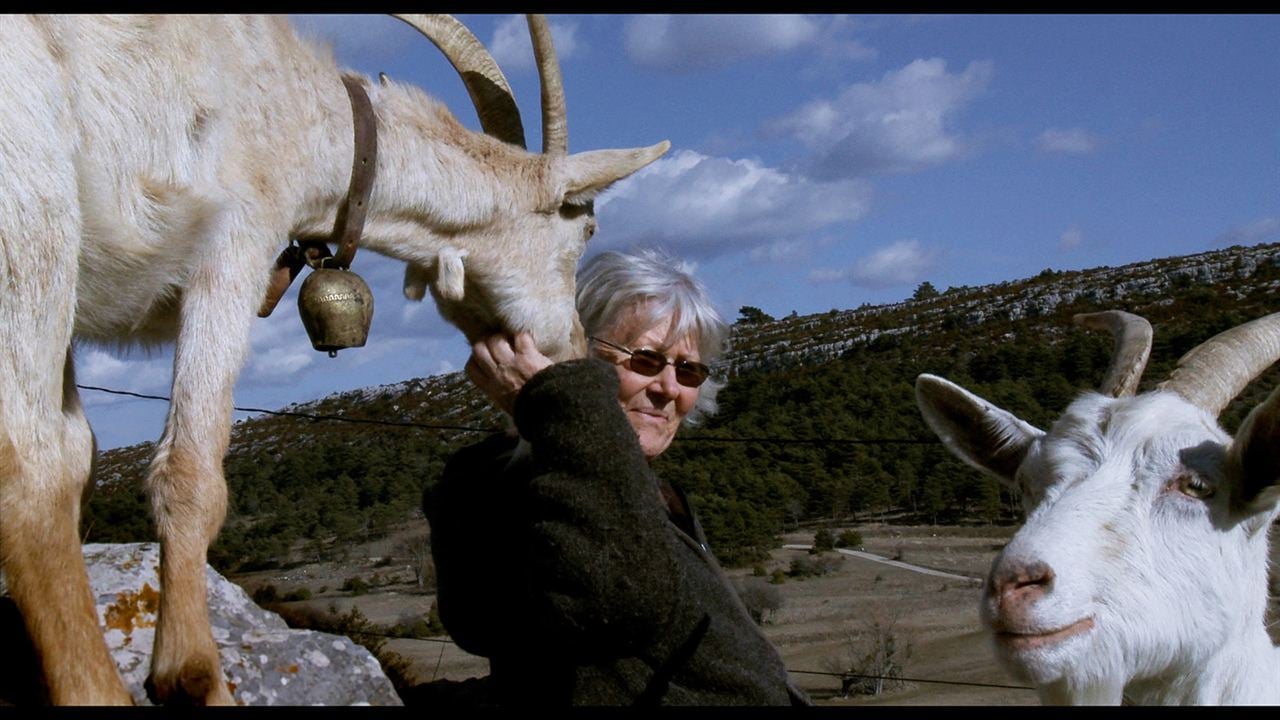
(336, 307)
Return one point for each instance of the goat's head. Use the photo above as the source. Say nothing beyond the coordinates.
(475, 278)
(1144, 548)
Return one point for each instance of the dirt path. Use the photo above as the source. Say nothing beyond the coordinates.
(918, 585)
(895, 563)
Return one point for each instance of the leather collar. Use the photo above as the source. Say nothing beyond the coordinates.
(349, 223)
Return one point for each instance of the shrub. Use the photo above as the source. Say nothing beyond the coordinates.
(760, 598)
(875, 658)
(823, 541)
(849, 539)
(356, 586)
(265, 594)
(778, 577)
(297, 595)
(813, 566)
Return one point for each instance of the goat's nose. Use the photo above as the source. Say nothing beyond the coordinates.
(1018, 586)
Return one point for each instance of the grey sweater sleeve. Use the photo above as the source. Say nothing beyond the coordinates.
(601, 571)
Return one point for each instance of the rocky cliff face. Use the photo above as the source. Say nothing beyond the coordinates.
(813, 338)
(265, 662)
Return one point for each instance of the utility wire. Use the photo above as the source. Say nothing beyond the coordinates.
(785, 441)
(308, 416)
(811, 441)
(470, 428)
(841, 675)
(909, 679)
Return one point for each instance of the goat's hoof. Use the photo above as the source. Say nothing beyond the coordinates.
(195, 684)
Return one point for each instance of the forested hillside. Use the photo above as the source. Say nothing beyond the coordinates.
(818, 419)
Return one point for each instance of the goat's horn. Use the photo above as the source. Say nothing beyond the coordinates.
(555, 132)
(488, 87)
(1133, 347)
(1213, 373)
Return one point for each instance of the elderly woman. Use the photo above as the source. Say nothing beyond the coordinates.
(581, 575)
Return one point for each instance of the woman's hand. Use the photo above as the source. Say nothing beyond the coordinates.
(500, 366)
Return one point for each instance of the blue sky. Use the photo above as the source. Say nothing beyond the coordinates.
(824, 161)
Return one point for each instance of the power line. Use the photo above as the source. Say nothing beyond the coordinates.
(841, 675)
(309, 416)
(704, 438)
(811, 441)
(910, 679)
(470, 428)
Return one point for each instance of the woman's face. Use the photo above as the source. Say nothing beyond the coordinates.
(654, 405)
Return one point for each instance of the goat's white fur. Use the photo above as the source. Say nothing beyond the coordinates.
(153, 167)
(1175, 585)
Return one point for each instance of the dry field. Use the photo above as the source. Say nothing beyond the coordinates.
(820, 620)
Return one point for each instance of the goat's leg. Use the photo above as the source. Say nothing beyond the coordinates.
(188, 496)
(186, 484)
(45, 443)
(40, 488)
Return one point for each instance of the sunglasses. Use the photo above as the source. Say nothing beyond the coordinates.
(651, 362)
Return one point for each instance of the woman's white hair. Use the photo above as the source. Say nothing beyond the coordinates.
(648, 286)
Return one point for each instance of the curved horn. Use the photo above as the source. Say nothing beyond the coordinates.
(555, 132)
(1213, 373)
(488, 87)
(1133, 347)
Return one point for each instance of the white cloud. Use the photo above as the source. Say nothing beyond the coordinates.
(702, 206)
(513, 50)
(132, 371)
(707, 42)
(1265, 230)
(899, 263)
(1071, 239)
(95, 367)
(280, 363)
(781, 251)
(826, 275)
(1072, 141)
(896, 125)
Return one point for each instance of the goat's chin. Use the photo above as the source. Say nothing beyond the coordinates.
(1048, 656)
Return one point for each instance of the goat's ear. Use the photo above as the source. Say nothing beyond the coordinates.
(416, 278)
(450, 274)
(1253, 464)
(990, 439)
(583, 175)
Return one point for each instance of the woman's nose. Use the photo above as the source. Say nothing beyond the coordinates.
(665, 382)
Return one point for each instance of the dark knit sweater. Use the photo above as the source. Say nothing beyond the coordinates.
(563, 566)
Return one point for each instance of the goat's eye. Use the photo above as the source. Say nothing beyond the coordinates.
(570, 211)
(1194, 486)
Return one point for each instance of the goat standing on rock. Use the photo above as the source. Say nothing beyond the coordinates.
(153, 168)
(1141, 570)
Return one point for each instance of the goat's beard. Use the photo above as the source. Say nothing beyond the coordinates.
(1081, 670)
(476, 323)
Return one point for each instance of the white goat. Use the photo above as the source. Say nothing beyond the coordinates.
(153, 167)
(1141, 570)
